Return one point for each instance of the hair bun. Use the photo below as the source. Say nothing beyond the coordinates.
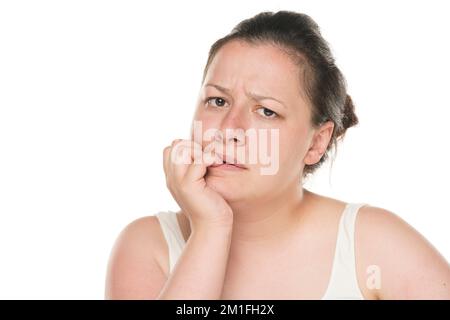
(350, 119)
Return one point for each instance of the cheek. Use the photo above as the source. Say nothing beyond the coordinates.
(292, 145)
(203, 126)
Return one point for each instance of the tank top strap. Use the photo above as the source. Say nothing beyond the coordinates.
(173, 235)
(343, 282)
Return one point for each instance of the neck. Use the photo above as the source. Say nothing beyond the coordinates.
(262, 221)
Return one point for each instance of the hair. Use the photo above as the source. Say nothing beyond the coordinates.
(299, 36)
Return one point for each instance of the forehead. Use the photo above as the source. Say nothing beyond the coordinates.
(259, 67)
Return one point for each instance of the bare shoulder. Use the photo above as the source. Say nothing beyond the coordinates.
(135, 267)
(407, 264)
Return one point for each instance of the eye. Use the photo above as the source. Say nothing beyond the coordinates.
(218, 101)
(267, 113)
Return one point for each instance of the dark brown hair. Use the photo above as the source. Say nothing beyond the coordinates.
(299, 36)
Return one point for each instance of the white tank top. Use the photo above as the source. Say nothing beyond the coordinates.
(343, 283)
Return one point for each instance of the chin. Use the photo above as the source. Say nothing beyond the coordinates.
(230, 189)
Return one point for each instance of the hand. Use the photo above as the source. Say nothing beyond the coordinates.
(185, 166)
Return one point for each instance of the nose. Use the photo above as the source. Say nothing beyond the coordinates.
(234, 136)
(233, 126)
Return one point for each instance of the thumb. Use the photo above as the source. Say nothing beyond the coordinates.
(197, 169)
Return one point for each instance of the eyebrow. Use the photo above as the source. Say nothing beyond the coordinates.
(252, 95)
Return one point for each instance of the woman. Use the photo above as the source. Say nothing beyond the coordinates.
(241, 234)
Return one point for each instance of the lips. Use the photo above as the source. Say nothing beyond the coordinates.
(237, 166)
(228, 162)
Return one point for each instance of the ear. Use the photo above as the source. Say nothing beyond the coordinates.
(319, 143)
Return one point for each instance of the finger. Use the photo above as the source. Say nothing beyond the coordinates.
(166, 158)
(174, 142)
(180, 158)
(210, 156)
(196, 152)
(197, 169)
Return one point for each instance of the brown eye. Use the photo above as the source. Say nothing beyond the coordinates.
(219, 102)
(267, 113)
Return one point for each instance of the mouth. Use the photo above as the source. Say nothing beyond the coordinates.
(228, 166)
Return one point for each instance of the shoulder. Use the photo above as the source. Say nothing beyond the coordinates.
(135, 266)
(407, 265)
(141, 234)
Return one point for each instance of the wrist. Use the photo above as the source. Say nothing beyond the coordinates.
(222, 228)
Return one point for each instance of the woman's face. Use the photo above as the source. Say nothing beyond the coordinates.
(254, 92)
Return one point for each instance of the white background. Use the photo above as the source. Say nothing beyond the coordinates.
(92, 91)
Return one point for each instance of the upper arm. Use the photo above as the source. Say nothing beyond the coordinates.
(133, 269)
(409, 267)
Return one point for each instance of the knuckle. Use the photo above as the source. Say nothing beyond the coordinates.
(176, 141)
